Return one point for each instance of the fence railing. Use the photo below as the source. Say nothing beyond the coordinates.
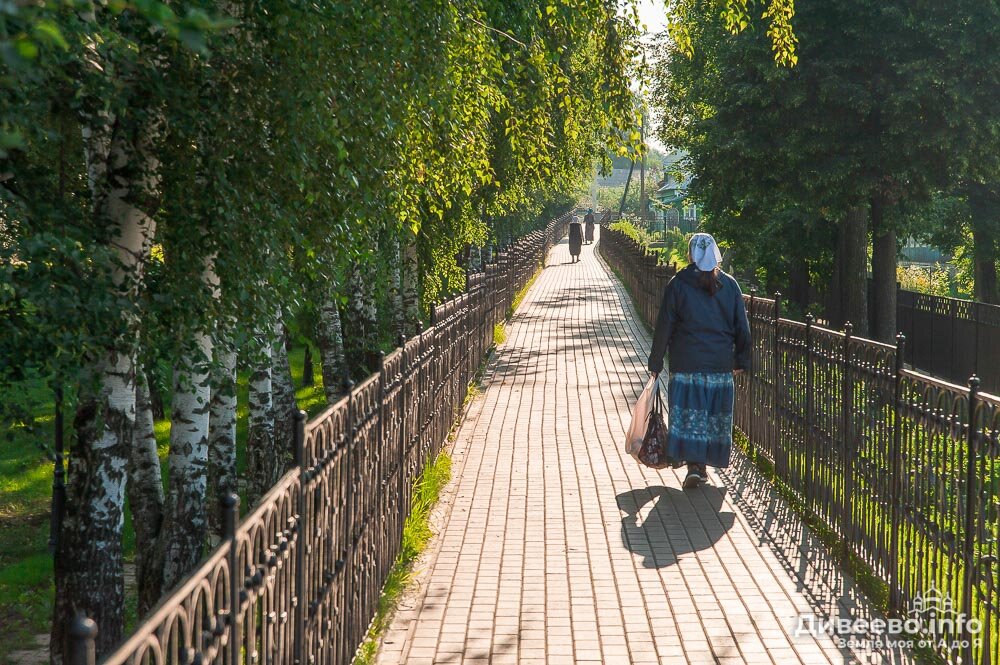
(298, 580)
(903, 467)
(951, 338)
(639, 270)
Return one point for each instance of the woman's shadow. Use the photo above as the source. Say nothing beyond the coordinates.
(664, 523)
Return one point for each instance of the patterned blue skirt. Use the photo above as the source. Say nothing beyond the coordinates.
(701, 417)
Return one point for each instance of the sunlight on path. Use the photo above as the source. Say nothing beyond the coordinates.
(554, 547)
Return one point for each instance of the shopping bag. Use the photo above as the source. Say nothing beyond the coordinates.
(640, 417)
(654, 449)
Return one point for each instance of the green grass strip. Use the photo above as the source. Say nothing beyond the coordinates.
(500, 329)
(417, 533)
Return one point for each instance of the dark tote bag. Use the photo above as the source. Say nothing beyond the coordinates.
(654, 451)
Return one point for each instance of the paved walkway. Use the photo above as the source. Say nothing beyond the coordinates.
(555, 547)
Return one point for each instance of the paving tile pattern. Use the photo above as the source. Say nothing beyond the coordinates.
(554, 546)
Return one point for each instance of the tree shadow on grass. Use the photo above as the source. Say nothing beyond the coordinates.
(664, 523)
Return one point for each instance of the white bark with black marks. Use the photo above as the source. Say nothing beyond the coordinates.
(185, 527)
(330, 340)
(284, 404)
(260, 438)
(145, 496)
(362, 324)
(410, 287)
(123, 175)
(396, 290)
(222, 434)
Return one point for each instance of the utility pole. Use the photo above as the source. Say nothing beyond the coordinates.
(642, 169)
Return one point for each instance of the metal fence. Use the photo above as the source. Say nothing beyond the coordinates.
(639, 269)
(903, 467)
(951, 338)
(298, 580)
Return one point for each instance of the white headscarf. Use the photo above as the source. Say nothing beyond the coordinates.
(704, 252)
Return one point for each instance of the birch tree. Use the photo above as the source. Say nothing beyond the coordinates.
(145, 495)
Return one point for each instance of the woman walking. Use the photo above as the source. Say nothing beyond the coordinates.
(575, 238)
(703, 325)
(588, 228)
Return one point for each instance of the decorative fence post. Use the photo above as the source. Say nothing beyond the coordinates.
(808, 474)
(847, 436)
(969, 567)
(752, 380)
(82, 632)
(350, 580)
(404, 407)
(230, 518)
(301, 541)
(774, 439)
(895, 473)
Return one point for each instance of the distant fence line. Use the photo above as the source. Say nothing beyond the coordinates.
(903, 467)
(951, 338)
(298, 580)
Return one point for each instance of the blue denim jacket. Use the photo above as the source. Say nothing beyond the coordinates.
(703, 333)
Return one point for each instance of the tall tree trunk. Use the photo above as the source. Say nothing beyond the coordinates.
(396, 291)
(89, 574)
(476, 259)
(834, 294)
(222, 434)
(145, 496)
(410, 287)
(330, 340)
(284, 404)
(853, 244)
(984, 207)
(260, 438)
(185, 526)
(798, 281)
(185, 523)
(884, 279)
(361, 341)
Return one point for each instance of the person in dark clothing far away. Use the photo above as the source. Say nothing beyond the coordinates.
(588, 222)
(575, 238)
(703, 326)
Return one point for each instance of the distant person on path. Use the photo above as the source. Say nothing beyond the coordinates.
(589, 228)
(703, 324)
(575, 238)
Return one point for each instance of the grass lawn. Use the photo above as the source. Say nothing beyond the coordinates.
(25, 496)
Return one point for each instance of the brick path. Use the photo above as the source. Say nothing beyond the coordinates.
(555, 547)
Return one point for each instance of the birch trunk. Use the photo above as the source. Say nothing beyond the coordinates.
(362, 323)
(145, 496)
(410, 287)
(396, 291)
(185, 528)
(222, 435)
(476, 259)
(284, 404)
(89, 575)
(330, 340)
(260, 439)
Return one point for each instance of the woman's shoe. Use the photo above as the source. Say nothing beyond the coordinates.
(693, 479)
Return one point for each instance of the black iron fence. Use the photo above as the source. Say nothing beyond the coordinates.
(639, 269)
(951, 338)
(298, 580)
(903, 467)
